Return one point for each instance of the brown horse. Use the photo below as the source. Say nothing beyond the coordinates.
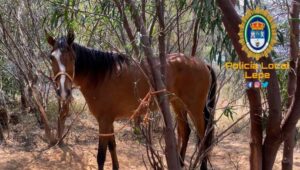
(113, 85)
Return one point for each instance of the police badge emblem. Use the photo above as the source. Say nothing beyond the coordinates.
(257, 33)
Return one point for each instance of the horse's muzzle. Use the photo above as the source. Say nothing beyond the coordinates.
(64, 95)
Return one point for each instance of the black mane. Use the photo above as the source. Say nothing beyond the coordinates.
(92, 62)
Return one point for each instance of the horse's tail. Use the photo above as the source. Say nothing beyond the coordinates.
(209, 111)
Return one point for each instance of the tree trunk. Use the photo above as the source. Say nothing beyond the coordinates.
(195, 36)
(3, 122)
(3, 118)
(196, 32)
(287, 125)
(231, 20)
(63, 114)
(24, 99)
(44, 119)
(1, 135)
(127, 27)
(161, 37)
(288, 152)
(275, 133)
(171, 151)
(275, 116)
(289, 143)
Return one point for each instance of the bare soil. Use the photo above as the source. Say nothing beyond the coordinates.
(25, 148)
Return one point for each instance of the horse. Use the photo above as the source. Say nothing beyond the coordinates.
(113, 85)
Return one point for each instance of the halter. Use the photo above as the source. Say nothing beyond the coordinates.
(63, 73)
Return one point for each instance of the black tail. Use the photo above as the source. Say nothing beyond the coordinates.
(210, 107)
(209, 115)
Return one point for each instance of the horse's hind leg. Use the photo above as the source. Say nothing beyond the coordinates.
(183, 129)
(199, 121)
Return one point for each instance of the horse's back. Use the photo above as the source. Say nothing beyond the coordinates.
(187, 75)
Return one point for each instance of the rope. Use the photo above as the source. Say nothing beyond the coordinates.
(63, 73)
(143, 105)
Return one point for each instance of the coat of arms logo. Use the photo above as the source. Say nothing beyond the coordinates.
(257, 33)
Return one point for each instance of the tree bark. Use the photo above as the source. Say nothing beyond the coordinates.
(231, 20)
(289, 143)
(196, 34)
(275, 116)
(143, 13)
(288, 124)
(1, 135)
(288, 152)
(127, 27)
(161, 37)
(3, 118)
(63, 114)
(44, 118)
(24, 100)
(178, 29)
(275, 133)
(171, 152)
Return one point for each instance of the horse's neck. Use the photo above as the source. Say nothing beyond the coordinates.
(79, 81)
(86, 87)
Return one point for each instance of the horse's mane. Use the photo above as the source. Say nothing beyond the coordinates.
(92, 62)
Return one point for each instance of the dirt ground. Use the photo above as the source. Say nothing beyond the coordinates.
(25, 148)
(31, 152)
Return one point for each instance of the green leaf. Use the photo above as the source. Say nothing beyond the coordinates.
(228, 112)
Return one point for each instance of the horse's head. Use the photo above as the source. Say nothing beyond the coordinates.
(63, 63)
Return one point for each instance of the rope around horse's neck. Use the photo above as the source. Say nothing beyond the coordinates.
(144, 104)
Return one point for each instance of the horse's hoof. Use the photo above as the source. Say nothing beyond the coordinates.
(115, 167)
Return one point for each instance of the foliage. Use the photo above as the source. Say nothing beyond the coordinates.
(229, 112)
(9, 84)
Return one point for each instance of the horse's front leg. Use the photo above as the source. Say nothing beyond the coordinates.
(105, 139)
(102, 148)
(104, 128)
(113, 152)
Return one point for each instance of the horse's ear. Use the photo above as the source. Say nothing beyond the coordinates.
(70, 36)
(50, 39)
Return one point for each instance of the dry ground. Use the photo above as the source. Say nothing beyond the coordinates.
(25, 148)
